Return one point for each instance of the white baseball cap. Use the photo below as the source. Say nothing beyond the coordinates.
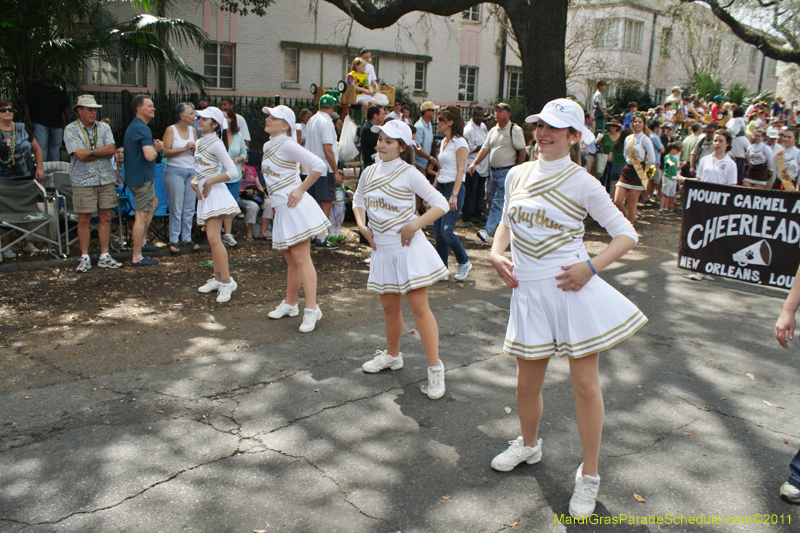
(280, 111)
(772, 132)
(215, 114)
(564, 113)
(396, 129)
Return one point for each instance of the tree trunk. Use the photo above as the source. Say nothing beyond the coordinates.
(541, 30)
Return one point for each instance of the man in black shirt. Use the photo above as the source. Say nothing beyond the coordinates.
(369, 140)
(46, 110)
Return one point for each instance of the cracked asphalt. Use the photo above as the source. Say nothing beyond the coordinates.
(702, 410)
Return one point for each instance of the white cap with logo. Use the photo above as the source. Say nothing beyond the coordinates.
(215, 114)
(564, 113)
(282, 112)
(396, 129)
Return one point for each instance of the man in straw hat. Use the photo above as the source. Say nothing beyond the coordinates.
(90, 145)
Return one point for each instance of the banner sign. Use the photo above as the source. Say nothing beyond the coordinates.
(741, 233)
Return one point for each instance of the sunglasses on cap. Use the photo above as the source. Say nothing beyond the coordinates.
(6, 109)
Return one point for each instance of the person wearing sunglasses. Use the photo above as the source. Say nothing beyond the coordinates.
(20, 159)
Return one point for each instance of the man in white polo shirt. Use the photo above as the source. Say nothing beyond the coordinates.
(505, 148)
(321, 141)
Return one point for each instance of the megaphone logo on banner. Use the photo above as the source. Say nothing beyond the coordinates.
(756, 254)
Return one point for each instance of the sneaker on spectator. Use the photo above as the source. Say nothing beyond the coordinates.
(8, 253)
(229, 240)
(581, 505)
(790, 493)
(323, 245)
(517, 453)
(30, 248)
(435, 388)
(310, 318)
(382, 361)
(84, 265)
(446, 278)
(483, 235)
(108, 262)
(463, 270)
(225, 291)
(283, 310)
(340, 239)
(210, 286)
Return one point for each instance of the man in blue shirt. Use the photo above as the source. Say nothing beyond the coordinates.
(424, 137)
(140, 171)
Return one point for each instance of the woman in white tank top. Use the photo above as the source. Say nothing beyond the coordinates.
(179, 145)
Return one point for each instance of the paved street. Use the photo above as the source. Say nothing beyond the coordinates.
(293, 437)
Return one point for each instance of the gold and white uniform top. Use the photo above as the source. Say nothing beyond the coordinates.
(386, 191)
(759, 154)
(545, 205)
(281, 167)
(209, 155)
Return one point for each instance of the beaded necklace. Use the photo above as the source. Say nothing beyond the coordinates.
(12, 146)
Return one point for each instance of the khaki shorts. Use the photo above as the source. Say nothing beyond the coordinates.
(145, 197)
(90, 199)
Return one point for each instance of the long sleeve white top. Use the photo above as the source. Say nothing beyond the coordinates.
(546, 203)
(386, 191)
(209, 155)
(758, 154)
(643, 148)
(281, 167)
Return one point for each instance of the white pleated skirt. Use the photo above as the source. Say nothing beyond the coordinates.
(219, 203)
(394, 268)
(293, 225)
(545, 321)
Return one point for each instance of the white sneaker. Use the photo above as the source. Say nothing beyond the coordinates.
(84, 265)
(30, 248)
(517, 453)
(790, 493)
(435, 388)
(483, 235)
(8, 253)
(225, 291)
(581, 505)
(463, 270)
(310, 318)
(229, 240)
(210, 286)
(108, 262)
(382, 361)
(283, 310)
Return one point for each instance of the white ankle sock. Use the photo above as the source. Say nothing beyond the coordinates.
(84, 256)
(437, 368)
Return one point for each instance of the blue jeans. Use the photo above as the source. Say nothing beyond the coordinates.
(444, 226)
(182, 201)
(794, 471)
(49, 140)
(497, 200)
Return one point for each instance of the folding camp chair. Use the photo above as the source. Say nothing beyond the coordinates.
(19, 212)
(128, 206)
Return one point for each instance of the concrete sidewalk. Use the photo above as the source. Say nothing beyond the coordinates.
(295, 438)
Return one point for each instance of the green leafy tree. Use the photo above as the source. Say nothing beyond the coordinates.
(539, 26)
(65, 35)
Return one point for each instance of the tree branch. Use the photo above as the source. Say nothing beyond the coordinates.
(760, 40)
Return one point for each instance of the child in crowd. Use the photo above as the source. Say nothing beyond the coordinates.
(633, 109)
(337, 215)
(669, 183)
(403, 261)
(364, 91)
(214, 201)
(297, 215)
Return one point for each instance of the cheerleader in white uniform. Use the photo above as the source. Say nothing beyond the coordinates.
(403, 261)
(297, 215)
(214, 201)
(559, 306)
